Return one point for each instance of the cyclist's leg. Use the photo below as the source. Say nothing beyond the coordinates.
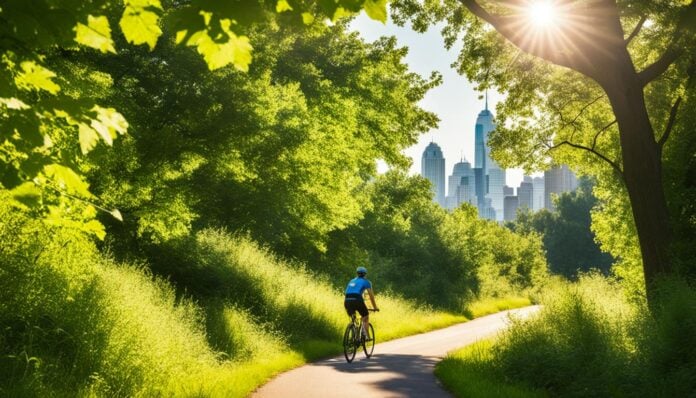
(350, 307)
(365, 314)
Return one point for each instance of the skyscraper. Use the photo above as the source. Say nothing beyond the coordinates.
(482, 150)
(466, 191)
(487, 211)
(538, 195)
(492, 175)
(510, 206)
(461, 185)
(433, 168)
(479, 146)
(481, 187)
(525, 195)
(557, 180)
(496, 182)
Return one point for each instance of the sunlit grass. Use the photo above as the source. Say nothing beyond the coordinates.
(488, 306)
(468, 373)
(589, 339)
(119, 331)
(112, 329)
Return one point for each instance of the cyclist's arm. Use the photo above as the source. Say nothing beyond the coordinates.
(372, 298)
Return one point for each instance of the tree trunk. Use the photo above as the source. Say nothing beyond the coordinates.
(642, 171)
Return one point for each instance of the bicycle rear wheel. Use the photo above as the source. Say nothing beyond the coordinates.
(349, 346)
(369, 346)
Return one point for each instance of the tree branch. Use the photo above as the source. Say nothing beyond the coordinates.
(605, 128)
(580, 113)
(509, 27)
(670, 55)
(670, 123)
(657, 68)
(636, 30)
(613, 164)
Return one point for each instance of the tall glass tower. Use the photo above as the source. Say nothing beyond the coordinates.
(493, 174)
(538, 201)
(461, 185)
(433, 168)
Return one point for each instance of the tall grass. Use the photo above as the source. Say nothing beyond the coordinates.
(304, 309)
(491, 305)
(470, 372)
(590, 340)
(76, 324)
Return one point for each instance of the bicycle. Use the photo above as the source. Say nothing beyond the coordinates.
(353, 338)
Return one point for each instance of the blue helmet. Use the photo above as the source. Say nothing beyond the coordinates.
(362, 271)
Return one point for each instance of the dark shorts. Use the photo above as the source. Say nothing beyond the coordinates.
(354, 303)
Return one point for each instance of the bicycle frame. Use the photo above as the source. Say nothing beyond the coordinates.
(354, 338)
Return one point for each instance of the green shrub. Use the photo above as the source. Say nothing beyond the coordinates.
(667, 342)
(470, 372)
(74, 323)
(301, 305)
(589, 339)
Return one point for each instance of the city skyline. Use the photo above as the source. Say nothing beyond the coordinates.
(455, 101)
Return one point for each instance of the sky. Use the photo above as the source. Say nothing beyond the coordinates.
(455, 101)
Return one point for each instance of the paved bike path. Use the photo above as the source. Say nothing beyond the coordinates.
(398, 368)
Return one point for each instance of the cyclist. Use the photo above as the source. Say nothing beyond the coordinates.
(354, 299)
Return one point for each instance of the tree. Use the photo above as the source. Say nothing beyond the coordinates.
(50, 117)
(572, 83)
(279, 151)
(417, 249)
(568, 240)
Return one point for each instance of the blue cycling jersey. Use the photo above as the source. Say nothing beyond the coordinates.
(357, 286)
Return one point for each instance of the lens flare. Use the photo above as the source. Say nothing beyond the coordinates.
(542, 14)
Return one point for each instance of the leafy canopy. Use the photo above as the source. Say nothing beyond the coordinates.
(46, 113)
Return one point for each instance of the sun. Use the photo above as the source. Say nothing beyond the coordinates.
(542, 13)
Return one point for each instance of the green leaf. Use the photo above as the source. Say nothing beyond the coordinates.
(27, 195)
(282, 6)
(342, 13)
(307, 18)
(108, 124)
(242, 52)
(376, 10)
(96, 34)
(68, 180)
(88, 138)
(94, 227)
(140, 24)
(217, 54)
(35, 77)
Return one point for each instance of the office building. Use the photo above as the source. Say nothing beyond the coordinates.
(433, 168)
(461, 185)
(558, 180)
(538, 194)
(525, 195)
(510, 207)
(491, 174)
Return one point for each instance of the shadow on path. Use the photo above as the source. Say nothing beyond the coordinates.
(394, 374)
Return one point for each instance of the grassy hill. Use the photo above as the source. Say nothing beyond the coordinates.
(77, 323)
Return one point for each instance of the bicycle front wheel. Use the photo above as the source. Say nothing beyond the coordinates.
(349, 346)
(369, 345)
